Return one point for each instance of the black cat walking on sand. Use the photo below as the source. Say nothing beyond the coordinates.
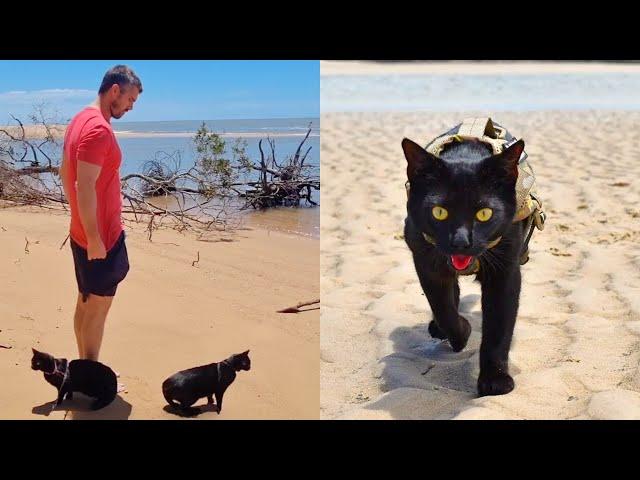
(471, 210)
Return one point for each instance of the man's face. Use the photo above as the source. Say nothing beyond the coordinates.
(123, 99)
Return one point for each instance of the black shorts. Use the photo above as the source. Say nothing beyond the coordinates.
(100, 277)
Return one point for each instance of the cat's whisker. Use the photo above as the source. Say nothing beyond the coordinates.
(495, 261)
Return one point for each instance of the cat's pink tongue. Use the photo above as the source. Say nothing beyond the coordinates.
(460, 262)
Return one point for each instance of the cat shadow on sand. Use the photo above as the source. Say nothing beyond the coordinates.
(421, 361)
(79, 408)
(190, 412)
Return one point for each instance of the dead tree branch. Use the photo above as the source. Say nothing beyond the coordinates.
(206, 196)
(293, 180)
(296, 309)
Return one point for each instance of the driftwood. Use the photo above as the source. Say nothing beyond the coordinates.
(296, 309)
(208, 196)
(22, 148)
(285, 184)
(65, 241)
(28, 169)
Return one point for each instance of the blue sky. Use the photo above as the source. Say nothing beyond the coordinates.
(173, 90)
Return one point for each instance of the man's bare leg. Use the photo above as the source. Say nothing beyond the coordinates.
(93, 321)
(77, 323)
(96, 310)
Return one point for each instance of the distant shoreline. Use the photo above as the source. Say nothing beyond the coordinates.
(130, 134)
(458, 67)
(38, 131)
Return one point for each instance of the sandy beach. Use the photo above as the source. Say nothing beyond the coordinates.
(575, 352)
(34, 131)
(168, 315)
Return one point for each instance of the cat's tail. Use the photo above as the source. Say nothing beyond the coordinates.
(107, 395)
(169, 399)
(102, 402)
(167, 390)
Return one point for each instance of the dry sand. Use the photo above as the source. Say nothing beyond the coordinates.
(33, 131)
(575, 351)
(167, 316)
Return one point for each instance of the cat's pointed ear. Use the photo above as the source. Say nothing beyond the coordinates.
(419, 161)
(506, 162)
(245, 353)
(34, 350)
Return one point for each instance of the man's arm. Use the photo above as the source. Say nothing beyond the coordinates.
(87, 205)
(63, 172)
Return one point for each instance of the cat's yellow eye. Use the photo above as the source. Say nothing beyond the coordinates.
(484, 214)
(439, 213)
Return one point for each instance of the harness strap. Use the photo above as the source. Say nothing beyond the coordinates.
(535, 220)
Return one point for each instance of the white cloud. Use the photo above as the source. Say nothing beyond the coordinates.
(18, 97)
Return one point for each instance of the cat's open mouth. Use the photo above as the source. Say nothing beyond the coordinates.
(461, 262)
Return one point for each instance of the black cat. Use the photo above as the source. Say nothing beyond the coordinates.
(94, 379)
(186, 387)
(460, 220)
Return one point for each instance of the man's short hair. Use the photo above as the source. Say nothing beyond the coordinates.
(123, 76)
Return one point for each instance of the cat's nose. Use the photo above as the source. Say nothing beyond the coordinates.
(461, 239)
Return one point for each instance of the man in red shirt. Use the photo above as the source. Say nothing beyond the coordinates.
(90, 173)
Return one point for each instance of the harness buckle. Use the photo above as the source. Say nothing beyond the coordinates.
(540, 217)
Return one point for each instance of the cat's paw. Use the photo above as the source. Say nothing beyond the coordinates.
(459, 340)
(497, 383)
(435, 331)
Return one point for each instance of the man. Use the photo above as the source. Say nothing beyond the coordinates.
(90, 175)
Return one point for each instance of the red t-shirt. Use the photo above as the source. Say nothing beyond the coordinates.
(90, 138)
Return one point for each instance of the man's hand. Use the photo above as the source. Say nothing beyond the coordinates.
(95, 249)
(88, 174)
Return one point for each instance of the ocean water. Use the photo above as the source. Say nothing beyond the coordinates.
(271, 125)
(513, 92)
(144, 141)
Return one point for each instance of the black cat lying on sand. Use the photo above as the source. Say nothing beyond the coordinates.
(470, 211)
(85, 376)
(186, 387)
